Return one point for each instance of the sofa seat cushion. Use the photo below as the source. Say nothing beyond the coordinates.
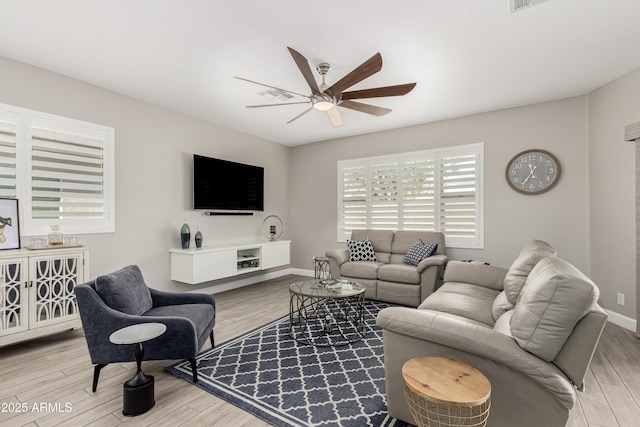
(529, 256)
(199, 314)
(124, 290)
(464, 300)
(554, 298)
(399, 273)
(360, 269)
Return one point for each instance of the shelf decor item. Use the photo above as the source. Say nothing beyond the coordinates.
(55, 237)
(273, 227)
(198, 238)
(185, 235)
(9, 224)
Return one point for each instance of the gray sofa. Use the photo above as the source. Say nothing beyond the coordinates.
(389, 279)
(532, 330)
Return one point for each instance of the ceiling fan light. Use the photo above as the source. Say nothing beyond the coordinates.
(323, 105)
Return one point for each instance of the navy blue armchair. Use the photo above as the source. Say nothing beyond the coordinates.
(122, 298)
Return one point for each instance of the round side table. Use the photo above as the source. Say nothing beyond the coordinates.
(444, 392)
(138, 396)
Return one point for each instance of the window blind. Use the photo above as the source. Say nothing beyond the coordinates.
(431, 190)
(61, 170)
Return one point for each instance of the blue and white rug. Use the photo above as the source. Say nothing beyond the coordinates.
(286, 383)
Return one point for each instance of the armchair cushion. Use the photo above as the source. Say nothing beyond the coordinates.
(554, 298)
(529, 256)
(125, 291)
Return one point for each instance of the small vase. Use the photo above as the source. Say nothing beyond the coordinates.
(185, 235)
(198, 239)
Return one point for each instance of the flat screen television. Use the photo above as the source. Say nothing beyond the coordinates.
(224, 185)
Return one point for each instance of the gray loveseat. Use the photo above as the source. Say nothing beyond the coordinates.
(388, 278)
(532, 330)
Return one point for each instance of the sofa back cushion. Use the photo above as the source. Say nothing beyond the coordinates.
(125, 291)
(553, 299)
(381, 240)
(529, 256)
(403, 240)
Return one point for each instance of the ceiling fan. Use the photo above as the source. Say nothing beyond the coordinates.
(326, 98)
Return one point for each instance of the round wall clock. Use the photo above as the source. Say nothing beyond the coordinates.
(533, 171)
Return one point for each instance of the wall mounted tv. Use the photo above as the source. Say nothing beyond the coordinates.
(229, 186)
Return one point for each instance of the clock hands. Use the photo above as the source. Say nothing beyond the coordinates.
(532, 170)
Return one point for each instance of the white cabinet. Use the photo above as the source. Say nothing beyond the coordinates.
(194, 266)
(36, 291)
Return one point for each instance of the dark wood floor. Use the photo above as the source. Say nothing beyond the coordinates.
(56, 371)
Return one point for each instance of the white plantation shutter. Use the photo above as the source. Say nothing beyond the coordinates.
(384, 201)
(433, 190)
(8, 141)
(418, 195)
(60, 169)
(353, 204)
(459, 204)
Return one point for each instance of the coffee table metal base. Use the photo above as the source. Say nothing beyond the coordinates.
(326, 322)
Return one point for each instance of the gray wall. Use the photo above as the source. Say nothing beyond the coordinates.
(612, 191)
(511, 219)
(153, 152)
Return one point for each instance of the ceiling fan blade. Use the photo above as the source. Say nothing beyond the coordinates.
(335, 117)
(379, 92)
(300, 115)
(277, 105)
(305, 69)
(365, 108)
(272, 87)
(361, 72)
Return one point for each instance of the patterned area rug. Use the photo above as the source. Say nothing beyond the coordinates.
(286, 383)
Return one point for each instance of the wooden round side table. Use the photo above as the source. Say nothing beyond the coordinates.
(445, 392)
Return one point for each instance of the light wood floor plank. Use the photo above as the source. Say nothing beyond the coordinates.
(58, 369)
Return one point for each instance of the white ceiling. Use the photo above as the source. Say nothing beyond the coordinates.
(467, 56)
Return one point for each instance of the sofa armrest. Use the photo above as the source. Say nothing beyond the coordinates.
(460, 334)
(162, 298)
(439, 260)
(340, 256)
(488, 276)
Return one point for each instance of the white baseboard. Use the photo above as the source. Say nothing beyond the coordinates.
(302, 272)
(620, 320)
(227, 286)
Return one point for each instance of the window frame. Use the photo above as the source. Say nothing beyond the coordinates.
(102, 138)
(436, 157)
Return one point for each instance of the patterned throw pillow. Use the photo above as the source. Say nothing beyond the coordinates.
(361, 250)
(419, 251)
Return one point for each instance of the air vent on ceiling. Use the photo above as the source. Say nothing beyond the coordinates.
(518, 5)
(276, 95)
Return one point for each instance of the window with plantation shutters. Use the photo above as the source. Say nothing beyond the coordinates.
(8, 140)
(431, 190)
(62, 172)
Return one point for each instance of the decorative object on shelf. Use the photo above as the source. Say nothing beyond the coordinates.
(55, 237)
(273, 227)
(185, 235)
(533, 171)
(198, 238)
(9, 224)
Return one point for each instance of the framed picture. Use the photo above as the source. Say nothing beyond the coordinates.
(9, 224)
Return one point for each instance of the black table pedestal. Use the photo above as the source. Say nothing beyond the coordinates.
(138, 396)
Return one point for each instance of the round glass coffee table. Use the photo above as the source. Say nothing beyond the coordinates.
(326, 312)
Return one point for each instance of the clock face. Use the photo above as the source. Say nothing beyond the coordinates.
(533, 171)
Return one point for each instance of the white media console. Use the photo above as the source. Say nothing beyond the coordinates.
(201, 265)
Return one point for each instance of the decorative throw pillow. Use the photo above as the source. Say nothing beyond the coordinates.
(361, 250)
(419, 251)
